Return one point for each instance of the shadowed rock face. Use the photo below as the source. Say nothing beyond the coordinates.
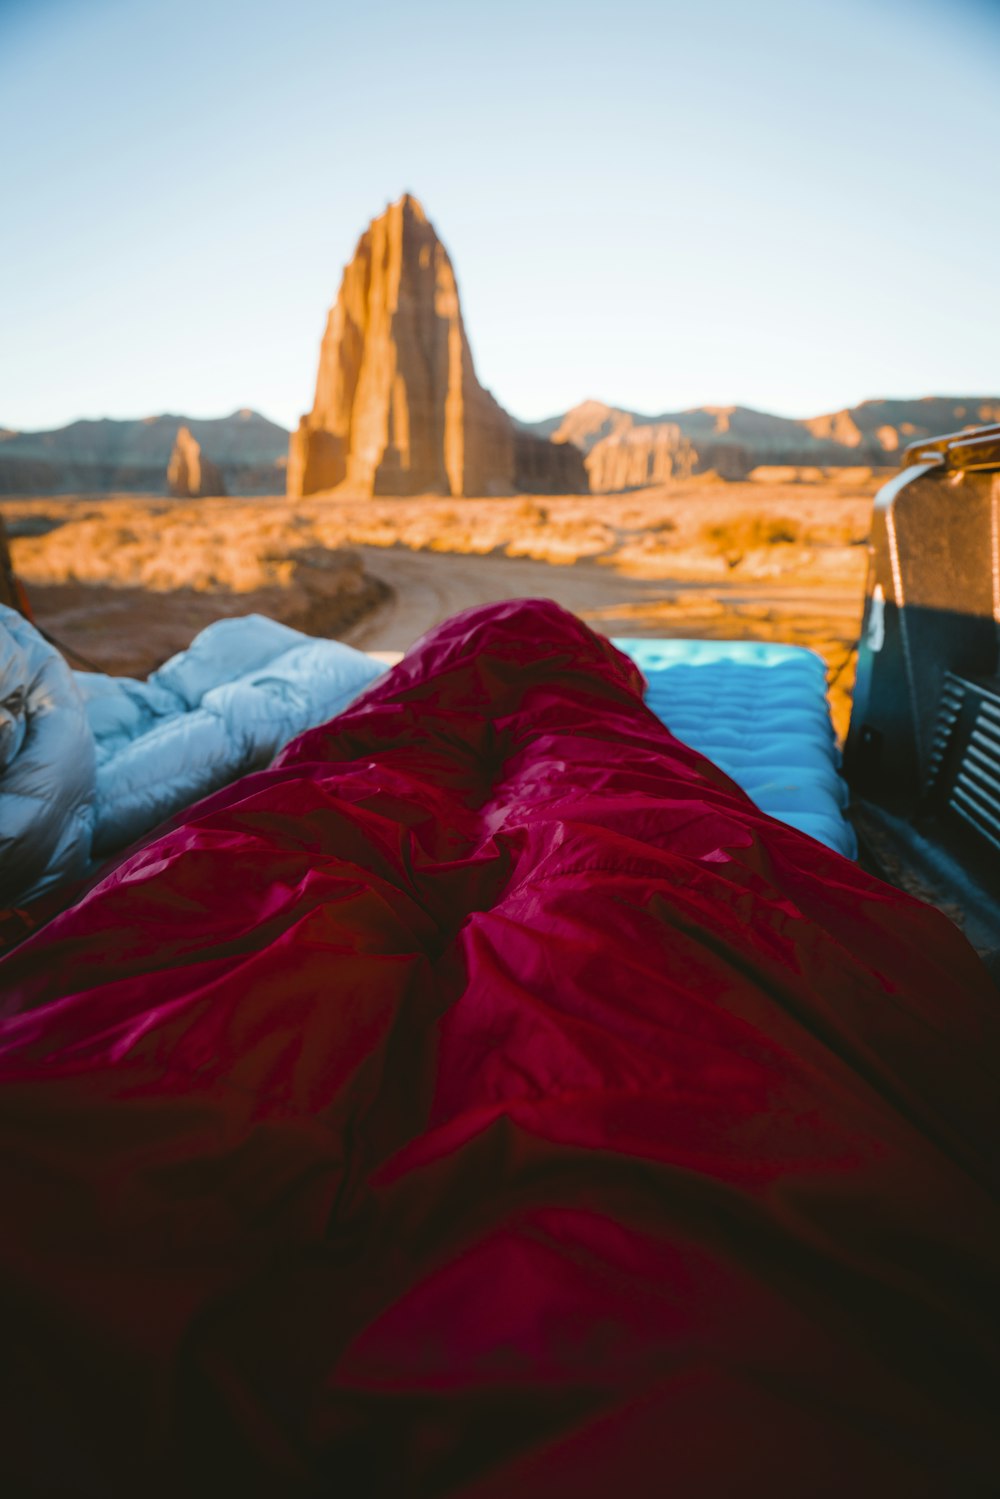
(398, 408)
(544, 467)
(189, 474)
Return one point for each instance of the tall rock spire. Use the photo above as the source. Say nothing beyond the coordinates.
(398, 408)
(189, 473)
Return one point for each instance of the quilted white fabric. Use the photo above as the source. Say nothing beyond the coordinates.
(226, 705)
(46, 766)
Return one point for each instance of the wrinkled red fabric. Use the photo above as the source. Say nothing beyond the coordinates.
(488, 1100)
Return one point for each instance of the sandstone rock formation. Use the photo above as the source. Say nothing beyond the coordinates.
(91, 457)
(625, 450)
(636, 456)
(839, 427)
(398, 408)
(189, 474)
(592, 421)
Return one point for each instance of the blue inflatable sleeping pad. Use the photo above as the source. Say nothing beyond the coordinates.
(759, 711)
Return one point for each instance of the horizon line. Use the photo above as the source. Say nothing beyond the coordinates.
(8, 432)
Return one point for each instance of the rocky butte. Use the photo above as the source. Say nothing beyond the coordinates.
(189, 474)
(625, 450)
(398, 408)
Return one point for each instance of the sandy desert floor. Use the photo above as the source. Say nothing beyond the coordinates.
(124, 581)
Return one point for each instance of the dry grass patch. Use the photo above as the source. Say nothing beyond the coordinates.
(733, 539)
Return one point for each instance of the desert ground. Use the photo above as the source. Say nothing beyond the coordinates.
(124, 581)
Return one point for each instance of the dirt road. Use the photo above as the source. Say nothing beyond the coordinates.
(430, 586)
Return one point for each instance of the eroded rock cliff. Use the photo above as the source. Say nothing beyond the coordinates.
(190, 475)
(132, 456)
(398, 408)
(636, 456)
(626, 450)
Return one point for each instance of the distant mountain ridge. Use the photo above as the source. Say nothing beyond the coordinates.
(132, 455)
(625, 449)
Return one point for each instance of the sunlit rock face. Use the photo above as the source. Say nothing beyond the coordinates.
(398, 408)
(637, 456)
(626, 450)
(189, 473)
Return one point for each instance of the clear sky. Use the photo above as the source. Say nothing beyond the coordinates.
(789, 204)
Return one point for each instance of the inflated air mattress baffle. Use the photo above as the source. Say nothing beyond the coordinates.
(760, 711)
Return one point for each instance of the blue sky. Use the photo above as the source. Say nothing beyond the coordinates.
(789, 204)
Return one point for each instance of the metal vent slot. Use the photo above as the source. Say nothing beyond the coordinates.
(964, 771)
(949, 710)
(976, 795)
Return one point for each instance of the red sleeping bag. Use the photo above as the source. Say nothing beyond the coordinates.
(486, 1101)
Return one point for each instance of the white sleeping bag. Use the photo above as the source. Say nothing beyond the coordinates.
(225, 706)
(46, 766)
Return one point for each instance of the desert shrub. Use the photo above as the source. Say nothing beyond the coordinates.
(733, 539)
(781, 530)
(531, 513)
